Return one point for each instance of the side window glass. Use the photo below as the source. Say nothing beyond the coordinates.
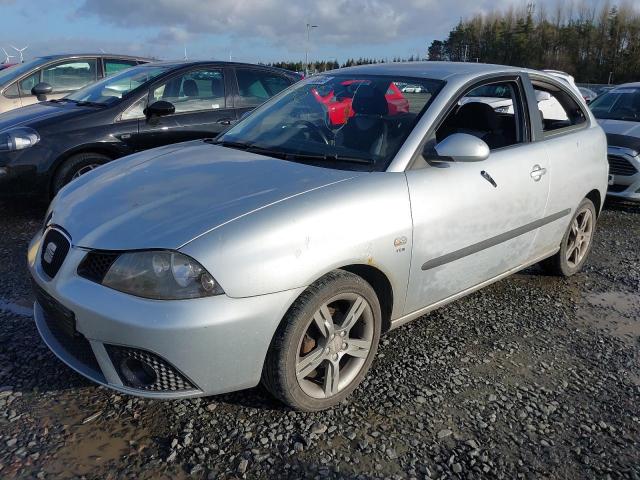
(556, 108)
(112, 66)
(136, 110)
(256, 86)
(28, 83)
(11, 91)
(491, 112)
(70, 76)
(198, 90)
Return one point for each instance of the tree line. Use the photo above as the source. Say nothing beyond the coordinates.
(324, 65)
(595, 45)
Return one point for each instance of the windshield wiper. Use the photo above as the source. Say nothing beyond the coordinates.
(333, 158)
(224, 143)
(249, 147)
(84, 103)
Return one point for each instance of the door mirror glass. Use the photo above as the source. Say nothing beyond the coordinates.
(462, 147)
(160, 108)
(41, 90)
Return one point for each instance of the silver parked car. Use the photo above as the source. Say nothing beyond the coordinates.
(618, 112)
(282, 250)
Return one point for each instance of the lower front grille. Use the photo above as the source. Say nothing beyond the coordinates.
(144, 370)
(61, 323)
(621, 166)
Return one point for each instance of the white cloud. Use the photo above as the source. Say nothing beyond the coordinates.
(358, 22)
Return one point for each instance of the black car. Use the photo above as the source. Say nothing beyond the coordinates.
(45, 146)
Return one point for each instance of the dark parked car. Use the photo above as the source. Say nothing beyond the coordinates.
(46, 145)
(59, 74)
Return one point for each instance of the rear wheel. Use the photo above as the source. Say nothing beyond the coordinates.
(325, 344)
(76, 166)
(576, 243)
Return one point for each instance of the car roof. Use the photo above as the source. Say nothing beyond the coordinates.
(433, 70)
(628, 85)
(100, 54)
(191, 63)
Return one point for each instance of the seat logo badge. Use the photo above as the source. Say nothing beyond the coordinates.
(49, 252)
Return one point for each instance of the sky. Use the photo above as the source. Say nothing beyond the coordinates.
(243, 30)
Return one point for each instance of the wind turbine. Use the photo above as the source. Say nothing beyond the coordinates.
(7, 56)
(20, 50)
(185, 53)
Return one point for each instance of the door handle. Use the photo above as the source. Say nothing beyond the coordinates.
(226, 121)
(488, 178)
(537, 173)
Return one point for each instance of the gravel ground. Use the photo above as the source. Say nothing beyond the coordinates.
(533, 377)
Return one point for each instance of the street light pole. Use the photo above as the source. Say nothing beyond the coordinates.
(306, 51)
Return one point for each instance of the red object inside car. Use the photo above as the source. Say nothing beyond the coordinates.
(338, 103)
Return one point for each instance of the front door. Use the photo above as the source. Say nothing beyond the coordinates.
(202, 109)
(475, 221)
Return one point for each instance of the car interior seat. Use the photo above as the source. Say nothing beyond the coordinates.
(190, 88)
(367, 129)
(480, 120)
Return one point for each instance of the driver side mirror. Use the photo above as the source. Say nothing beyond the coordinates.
(462, 147)
(160, 108)
(41, 90)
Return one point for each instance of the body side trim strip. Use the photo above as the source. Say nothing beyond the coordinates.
(492, 242)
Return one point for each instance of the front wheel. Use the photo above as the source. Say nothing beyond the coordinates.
(576, 243)
(76, 166)
(325, 344)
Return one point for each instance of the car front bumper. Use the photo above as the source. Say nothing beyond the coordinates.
(625, 169)
(194, 347)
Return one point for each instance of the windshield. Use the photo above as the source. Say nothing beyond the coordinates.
(8, 74)
(113, 88)
(622, 103)
(338, 121)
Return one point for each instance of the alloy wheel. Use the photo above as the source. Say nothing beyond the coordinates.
(335, 345)
(579, 237)
(82, 170)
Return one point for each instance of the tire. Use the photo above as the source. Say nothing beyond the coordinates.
(565, 265)
(74, 166)
(299, 343)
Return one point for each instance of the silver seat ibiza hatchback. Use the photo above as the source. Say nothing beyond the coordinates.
(349, 204)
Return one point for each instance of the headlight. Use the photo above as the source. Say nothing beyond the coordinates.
(502, 109)
(18, 139)
(161, 275)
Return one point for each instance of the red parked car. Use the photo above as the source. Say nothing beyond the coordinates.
(338, 103)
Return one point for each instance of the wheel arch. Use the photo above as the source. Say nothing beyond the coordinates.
(380, 284)
(105, 150)
(596, 197)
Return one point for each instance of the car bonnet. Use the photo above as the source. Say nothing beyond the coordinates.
(166, 197)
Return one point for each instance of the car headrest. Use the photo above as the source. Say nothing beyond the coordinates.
(190, 88)
(477, 116)
(369, 100)
(217, 87)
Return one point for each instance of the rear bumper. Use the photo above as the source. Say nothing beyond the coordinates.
(195, 347)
